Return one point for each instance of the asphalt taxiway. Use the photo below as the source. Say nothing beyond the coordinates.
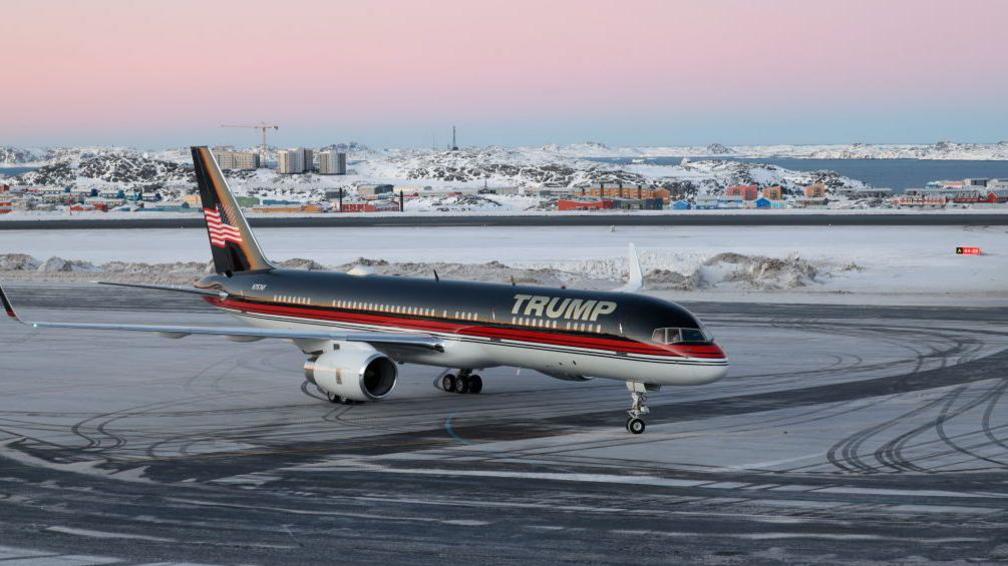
(842, 434)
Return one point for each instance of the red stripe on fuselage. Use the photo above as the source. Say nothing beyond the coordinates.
(708, 351)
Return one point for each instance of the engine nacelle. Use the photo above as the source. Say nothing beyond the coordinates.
(355, 373)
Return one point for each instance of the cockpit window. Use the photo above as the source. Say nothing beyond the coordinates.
(680, 336)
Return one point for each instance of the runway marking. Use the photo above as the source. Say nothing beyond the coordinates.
(12, 555)
(105, 534)
(784, 535)
(908, 492)
(855, 536)
(943, 509)
(632, 480)
(457, 522)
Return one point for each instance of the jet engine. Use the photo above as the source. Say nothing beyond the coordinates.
(353, 373)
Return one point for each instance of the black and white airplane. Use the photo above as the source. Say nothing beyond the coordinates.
(356, 328)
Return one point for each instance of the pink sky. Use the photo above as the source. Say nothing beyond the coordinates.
(392, 73)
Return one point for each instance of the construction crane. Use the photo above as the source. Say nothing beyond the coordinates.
(262, 127)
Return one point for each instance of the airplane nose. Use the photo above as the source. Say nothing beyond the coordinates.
(707, 351)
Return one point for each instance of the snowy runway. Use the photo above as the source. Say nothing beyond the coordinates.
(844, 432)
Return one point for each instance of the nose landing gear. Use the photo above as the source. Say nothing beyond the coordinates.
(639, 408)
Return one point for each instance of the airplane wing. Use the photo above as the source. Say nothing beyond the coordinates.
(240, 333)
(190, 290)
(636, 280)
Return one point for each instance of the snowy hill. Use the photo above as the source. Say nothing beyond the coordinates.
(532, 168)
(16, 155)
(940, 150)
(112, 167)
(545, 167)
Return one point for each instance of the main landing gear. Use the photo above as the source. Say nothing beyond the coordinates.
(465, 382)
(639, 408)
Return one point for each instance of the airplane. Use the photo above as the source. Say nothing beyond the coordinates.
(357, 328)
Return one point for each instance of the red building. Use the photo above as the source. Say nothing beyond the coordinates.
(997, 195)
(570, 204)
(747, 192)
(369, 207)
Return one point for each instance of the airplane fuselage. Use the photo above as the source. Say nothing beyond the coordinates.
(562, 332)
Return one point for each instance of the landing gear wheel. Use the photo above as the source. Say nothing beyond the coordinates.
(462, 384)
(448, 382)
(475, 384)
(638, 392)
(635, 425)
(333, 398)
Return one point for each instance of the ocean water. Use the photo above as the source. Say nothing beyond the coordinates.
(11, 171)
(898, 174)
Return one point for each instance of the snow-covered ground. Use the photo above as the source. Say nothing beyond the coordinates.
(835, 264)
(518, 174)
(10, 156)
(939, 150)
(431, 174)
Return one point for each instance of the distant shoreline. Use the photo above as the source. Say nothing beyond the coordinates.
(747, 218)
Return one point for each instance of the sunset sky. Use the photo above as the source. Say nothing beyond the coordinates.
(396, 73)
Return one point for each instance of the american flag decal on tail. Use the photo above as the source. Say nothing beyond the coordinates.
(220, 231)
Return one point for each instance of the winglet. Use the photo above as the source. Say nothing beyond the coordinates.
(636, 280)
(8, 306)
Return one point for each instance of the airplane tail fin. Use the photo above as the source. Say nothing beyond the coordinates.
(636, 280)
(233, 245)
(8, 307)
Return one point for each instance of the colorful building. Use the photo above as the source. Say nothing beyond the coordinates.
(596, 204)
(815, 190)
(773, 193)
(747, 192)
(641, 193)
(370, 207)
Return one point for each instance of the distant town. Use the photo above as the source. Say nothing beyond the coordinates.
(293, 187)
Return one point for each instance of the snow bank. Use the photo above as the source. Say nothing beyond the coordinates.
(58, 264)
(759, 272)
(18, 262)
(684, 263)
(725, 270)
